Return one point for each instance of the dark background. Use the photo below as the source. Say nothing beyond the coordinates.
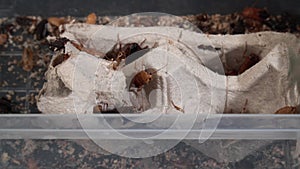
(125, 7)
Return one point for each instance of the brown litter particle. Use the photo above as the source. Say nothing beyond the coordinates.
(91, 18)
(57, 21)
(28, 59)
(3, 38)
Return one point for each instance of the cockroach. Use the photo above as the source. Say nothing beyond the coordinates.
(59, 59)
(141, 79)
(257, 14)
(287, 110)
(119, 52)
(58, 44)
(177, 107)
(126, 50)
(248, 62)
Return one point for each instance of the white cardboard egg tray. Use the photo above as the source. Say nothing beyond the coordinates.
(192, 76)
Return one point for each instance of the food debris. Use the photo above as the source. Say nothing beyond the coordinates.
(91, 18)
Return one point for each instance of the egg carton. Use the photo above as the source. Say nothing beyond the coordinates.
(190, 72)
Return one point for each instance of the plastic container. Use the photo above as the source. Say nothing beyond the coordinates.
(42, 126)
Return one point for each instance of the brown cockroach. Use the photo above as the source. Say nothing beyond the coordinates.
(141, 79)
(287, 110)
(119, 52)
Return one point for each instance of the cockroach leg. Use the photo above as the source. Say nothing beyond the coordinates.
(244, 110)
(141, 44)
(90, 51)
(180, 36)
(177, 107)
